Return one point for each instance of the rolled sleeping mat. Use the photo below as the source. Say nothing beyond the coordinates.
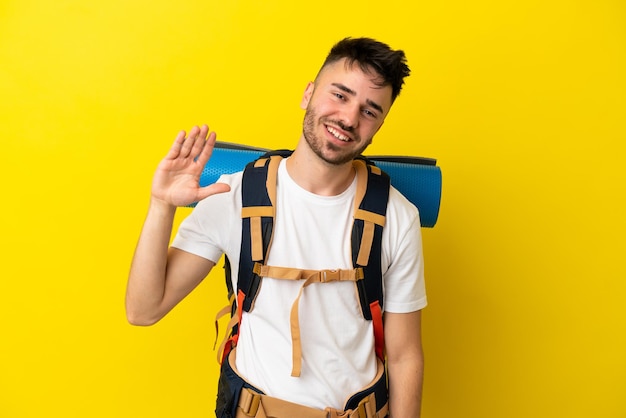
(417, 178)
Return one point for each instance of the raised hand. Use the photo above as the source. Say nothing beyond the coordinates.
(176, 180)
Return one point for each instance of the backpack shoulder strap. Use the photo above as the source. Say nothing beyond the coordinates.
(258, 196)
(369, 219)
(370, 208)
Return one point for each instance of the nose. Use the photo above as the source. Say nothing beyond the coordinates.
(350, 116)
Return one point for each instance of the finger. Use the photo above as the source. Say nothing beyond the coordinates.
(199, 144)
(204, 129)
(185, 150)
(175, 148)
(204, 155)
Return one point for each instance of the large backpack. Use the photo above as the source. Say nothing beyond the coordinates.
(258, 213)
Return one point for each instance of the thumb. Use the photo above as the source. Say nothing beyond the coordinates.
(212, 189)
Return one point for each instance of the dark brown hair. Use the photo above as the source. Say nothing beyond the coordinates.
(370, 55)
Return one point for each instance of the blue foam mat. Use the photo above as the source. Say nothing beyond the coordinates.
(418, 179)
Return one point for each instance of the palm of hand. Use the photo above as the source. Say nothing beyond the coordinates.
(177, 182)
(177, 177)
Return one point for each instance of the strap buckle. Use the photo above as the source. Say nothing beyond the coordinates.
(330, 275)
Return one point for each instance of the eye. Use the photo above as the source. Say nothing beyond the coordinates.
(369, 113)
(339, 96)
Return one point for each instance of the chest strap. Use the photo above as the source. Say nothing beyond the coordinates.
(308, 277)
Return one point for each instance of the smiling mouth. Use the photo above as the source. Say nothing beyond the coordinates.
(337, 134)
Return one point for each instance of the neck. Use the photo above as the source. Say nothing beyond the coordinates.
(316, 175)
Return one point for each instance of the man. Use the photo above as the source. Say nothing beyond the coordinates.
(345, 107)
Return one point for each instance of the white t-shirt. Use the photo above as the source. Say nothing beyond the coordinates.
(310, 232)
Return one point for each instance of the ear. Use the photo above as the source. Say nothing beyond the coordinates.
(306, 97)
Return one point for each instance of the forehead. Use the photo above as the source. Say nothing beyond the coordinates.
(367, 84)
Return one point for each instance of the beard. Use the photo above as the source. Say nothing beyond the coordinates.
(326, 151)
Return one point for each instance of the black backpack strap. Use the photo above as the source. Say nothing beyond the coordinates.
(258, 196)
(370, 208)
(369, 220)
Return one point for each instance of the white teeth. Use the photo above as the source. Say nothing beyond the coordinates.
(337, 135)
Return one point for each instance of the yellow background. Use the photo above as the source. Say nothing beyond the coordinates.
(522, 103)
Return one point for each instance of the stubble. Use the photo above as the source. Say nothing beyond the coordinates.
(326, 151)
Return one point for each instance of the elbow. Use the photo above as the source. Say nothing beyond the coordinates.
(141, 313)
(140, 319)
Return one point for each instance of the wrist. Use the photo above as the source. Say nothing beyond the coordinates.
(162, 207)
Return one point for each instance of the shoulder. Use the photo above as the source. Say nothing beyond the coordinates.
(400, 209)
(402, 226)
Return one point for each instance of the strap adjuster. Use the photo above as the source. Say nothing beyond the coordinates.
(362, 412)
(367, 407)
(249, 402)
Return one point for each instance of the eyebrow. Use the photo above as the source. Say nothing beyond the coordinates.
(353, 93)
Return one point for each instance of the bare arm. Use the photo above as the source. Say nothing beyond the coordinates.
(160, 277)
(405, 362)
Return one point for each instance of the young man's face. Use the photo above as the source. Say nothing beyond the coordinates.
(344, 109)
